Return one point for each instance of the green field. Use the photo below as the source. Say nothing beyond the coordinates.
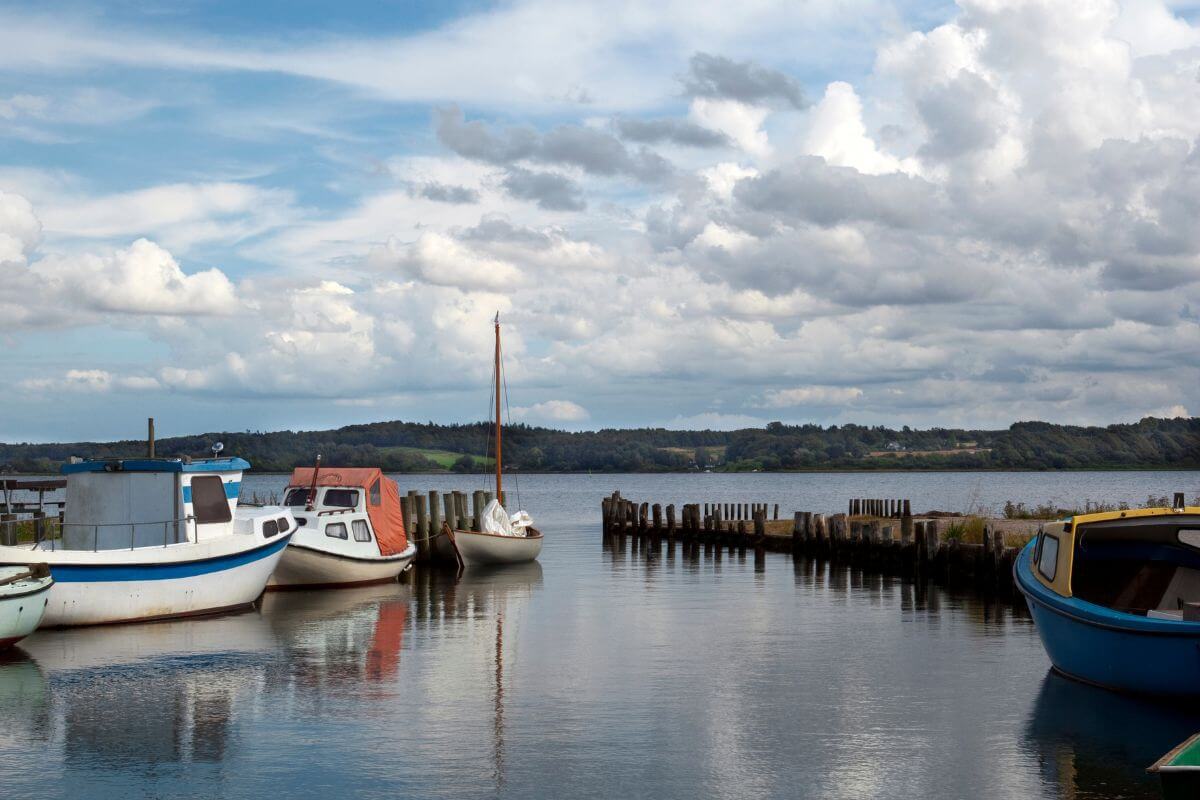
(443, 458)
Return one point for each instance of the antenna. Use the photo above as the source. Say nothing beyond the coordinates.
(216, 448)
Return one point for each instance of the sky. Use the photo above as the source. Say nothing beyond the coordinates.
(303, 215)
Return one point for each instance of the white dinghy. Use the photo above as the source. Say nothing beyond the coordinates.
(351, 531)
(145, 539)
(23, 596)
(502, 539)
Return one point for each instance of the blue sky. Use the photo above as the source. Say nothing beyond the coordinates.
(299, 215)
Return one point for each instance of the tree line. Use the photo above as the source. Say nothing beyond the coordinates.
(395, 446)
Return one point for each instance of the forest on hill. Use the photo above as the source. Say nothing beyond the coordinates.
(422, 447)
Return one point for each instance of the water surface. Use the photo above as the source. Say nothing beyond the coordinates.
(602, 671)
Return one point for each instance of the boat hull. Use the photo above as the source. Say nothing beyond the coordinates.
(22, 608)
(476, 547)
(98, 588)
(303, 567)
(1097, 645)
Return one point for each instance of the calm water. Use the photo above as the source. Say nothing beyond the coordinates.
(600, 672)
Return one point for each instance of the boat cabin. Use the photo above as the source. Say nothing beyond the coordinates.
(122, 503)
(355, 509)
(1142, 561)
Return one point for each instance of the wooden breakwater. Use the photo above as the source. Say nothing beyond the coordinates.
(874, 534)
(427, 514)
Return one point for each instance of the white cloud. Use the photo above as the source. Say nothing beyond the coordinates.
(551, 411)
(996, 222)
(809, 396)
(88, 381)
(141, 279)
(837, 133)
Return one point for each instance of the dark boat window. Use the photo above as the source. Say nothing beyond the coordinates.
(337, 530)
(362, 533)
(284, 527)
(209, 503)
(1048, 559)
(296, 497)
(341, 498)
(270, 528)
(375, 493)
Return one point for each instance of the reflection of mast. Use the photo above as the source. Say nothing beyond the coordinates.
(498, 729)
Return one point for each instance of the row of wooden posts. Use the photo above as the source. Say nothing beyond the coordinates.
(903, 544)
(425, 515)
(894, 508)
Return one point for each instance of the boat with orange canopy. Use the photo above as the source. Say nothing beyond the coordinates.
(351, 531)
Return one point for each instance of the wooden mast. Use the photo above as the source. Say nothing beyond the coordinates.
(499, 460)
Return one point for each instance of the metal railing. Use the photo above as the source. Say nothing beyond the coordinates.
(41, 531)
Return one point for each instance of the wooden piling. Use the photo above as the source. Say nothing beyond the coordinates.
(478, 498)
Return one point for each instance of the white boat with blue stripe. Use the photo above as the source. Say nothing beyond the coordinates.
(144, 539)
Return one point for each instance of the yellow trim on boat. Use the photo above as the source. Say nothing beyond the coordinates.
(1065, 531)
(1101, 516)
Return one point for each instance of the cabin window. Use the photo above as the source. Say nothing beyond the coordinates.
(341, 498)
(283, 524)
(362, 533)
(209, 503)
(270, 528)
(1190, 536)
(336, 530)
(296, 497)
(376, 491)
(1048, 558)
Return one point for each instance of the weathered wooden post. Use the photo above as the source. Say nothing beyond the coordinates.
(658, 518)
(422, 536)
(797, 531)
(671, 520)
(406, 514)
(776, 516)
(906, 528)
(451, 507)
(760, 527)
(477, 497)
(435, 520)
(818, 530)
(931, 539)
(643, 517)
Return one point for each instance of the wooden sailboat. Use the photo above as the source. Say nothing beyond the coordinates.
(503, 539)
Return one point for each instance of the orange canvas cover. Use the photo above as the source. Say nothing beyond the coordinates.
(385, 516)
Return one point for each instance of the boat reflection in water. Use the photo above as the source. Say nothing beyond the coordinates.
(1094, 743)
(484, 610)
(337, 640)
(118, 703)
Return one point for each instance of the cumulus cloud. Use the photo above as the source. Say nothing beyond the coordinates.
(90, 381)
(717, 76)
(809, 396)
(442, 260)
(670, 130)
(140, 279)
(590, 150)
(446, 193)
(551, 411)
(997, 222)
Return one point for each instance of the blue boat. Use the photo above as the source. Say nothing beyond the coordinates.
(1115, 597)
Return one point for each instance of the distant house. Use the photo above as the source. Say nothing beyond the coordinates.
(895, 447)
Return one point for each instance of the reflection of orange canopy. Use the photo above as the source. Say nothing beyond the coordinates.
(385, 514)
